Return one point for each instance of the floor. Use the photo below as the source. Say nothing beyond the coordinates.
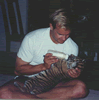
(93, 94)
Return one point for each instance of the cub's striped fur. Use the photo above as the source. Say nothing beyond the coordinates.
(47, 79)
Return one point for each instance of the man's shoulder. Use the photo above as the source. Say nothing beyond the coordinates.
(37, 33)
(71, 42)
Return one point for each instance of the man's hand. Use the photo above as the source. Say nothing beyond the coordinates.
(74, 73)
(48, 60)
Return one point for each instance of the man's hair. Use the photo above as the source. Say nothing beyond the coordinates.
(60, 18)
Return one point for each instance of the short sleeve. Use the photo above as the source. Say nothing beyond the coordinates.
(25, 51)
(72, 47)
(76, 51)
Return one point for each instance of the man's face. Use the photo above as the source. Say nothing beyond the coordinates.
(59, 35)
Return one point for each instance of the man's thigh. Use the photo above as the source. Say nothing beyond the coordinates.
(9, 91)
(63, 89)
(9, 86)
(72, 82)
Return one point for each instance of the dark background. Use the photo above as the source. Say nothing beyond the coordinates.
(82, 31)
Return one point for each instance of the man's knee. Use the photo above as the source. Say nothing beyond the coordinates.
(7, 90)
(5, 93)
(81, 90)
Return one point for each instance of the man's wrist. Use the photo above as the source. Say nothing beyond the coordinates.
(43, 67)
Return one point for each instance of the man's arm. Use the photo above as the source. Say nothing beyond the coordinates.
(24, 68)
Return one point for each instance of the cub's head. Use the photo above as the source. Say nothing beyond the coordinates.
(74, 61)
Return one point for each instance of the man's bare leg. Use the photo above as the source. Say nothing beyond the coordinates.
(9, 91)
(69, 90)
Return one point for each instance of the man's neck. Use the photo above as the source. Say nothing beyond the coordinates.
(53, 40)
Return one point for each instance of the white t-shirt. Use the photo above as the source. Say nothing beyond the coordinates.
(38, 42)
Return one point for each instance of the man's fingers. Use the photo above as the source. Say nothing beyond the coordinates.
(49, 60)
(73, 73)
(48, 54)
(78, 70)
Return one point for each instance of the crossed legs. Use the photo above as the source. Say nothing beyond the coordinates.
(69, 90)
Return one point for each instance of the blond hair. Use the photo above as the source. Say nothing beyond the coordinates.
(59, 17)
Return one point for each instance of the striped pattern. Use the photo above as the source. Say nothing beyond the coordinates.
(46, 80)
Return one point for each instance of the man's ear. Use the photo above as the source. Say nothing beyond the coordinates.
(51, 27)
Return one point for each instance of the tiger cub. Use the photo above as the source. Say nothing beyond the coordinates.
(46, 80)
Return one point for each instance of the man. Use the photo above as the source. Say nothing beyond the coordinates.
(30, 60)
